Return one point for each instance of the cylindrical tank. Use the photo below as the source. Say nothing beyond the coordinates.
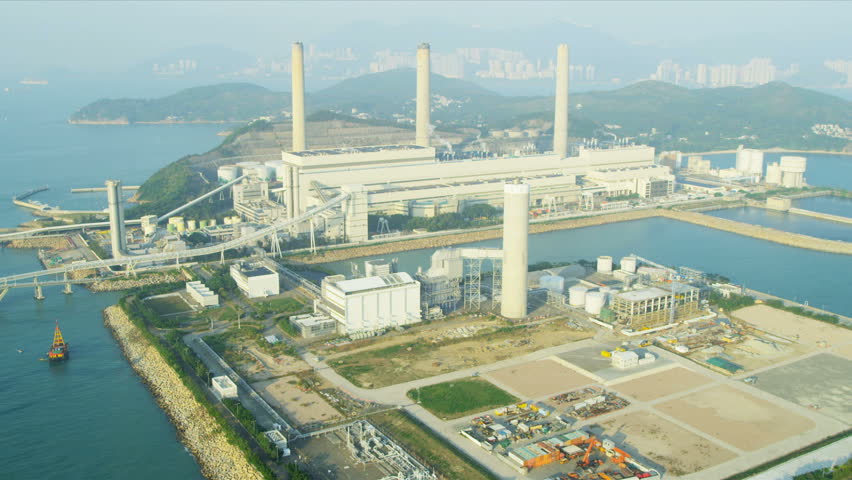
(263, 173)
(628, 264)
(247, 164)
(203, 224)
(228, 173)
(227, 220)
(577, 295)
(211, 222)
(605, 264)
(191, 225)
(516, 222)
(595, 301)
(793, 171)
(554, 283)
(236, 219)
(281, 172)
(773, 173)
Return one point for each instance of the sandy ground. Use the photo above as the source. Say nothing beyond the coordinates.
(539, 378)
(813, 382)
(302, 407)
(674, 448)
(656, 385)
(844, 351)
(736, 417)
(803, 330)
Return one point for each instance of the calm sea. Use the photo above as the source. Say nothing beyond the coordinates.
(92, 418)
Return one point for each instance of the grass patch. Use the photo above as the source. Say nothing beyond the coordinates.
(168, 305)
(786, 458)
(279, 305)
(450, 462)
(461, 397)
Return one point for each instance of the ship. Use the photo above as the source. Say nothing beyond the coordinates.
(59, 350)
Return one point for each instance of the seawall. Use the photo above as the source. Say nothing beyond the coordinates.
(198, 430)
(754, 231)
(821, 216)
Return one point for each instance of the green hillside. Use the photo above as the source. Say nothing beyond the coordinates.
(223, 102)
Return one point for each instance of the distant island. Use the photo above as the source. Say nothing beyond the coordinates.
(668, 117)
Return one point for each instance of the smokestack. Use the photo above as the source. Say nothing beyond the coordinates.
(560, 122)
(424, 96)
(118, 239)
(298, 93)
(516, 223)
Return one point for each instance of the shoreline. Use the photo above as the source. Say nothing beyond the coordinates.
(196, 428)
(775, 150)
(790, 239)
(124, 121)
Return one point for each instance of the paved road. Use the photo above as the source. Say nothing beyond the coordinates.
(827, 456)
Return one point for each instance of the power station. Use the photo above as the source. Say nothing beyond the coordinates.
(516, 225)
(118, 236)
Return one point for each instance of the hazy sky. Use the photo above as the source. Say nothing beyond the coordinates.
(116, 35)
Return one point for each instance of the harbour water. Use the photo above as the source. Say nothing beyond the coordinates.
(791, 222)
(92, 418)
(824, 170)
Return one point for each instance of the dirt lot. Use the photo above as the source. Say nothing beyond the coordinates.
(735, 417)
(539, 378)
(805, 331)
(674, 448)
(845, 351)
(302, 407)
(427, 353)
(813, 382)
(657, 385)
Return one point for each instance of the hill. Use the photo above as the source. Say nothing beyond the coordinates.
(656, 113)
(227, 102)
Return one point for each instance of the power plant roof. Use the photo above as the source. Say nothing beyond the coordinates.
(373, 283)
(351, 150)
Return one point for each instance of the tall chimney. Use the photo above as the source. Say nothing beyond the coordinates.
(560, 122)
(298, 94)
(516, 224)
(117, 235)
(424, 97)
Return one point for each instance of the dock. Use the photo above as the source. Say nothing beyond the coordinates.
(29, 193)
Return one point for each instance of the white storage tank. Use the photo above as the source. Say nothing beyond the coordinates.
(228, 173)
(595, 301)
(577, 295)
(191, 225)
(793, 171)
(554, 283)
(773, 173)
(605, 264)
(263, 173)
(628, 264)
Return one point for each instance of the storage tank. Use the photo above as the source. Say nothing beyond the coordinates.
(793, 171)
(577, 295)
(191, 225)
(554, 283)
(773, 173)
(228, 173)
(628, 264)
(263, 173)
(595, 301)
(604, 264)
(203, 224)
(247, 164)
(211, 222)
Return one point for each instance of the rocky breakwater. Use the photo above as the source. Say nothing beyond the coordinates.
(53, 243)
(117, 284)
(198, 430)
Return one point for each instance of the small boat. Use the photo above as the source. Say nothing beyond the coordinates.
(59, 350)
(20, 350)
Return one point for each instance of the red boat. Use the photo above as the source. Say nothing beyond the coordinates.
(59, 350)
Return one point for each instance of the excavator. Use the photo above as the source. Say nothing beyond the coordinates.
(585, 462)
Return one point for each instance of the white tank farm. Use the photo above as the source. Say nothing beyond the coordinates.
(628, 264)
(191, 225)
(577, 295)
(263, 173)
(773, 174)
(228, 173)
(604, 264)
(793, 171)
(554, 283)
(595, 301)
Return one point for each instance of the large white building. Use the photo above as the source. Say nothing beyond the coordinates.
(750, 162)
(646, 181)
(369, 304)
(255, 280)
(201, 294)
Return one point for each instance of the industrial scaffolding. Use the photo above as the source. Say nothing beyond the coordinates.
(367, 444)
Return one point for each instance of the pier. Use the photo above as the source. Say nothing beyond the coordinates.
(821, 216)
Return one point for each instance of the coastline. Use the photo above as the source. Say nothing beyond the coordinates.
(124, 121)
(754, 231)
(197, 429)
(776, 150)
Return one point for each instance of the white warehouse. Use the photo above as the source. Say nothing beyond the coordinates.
(201, 294)
(255, 280)
(372, 303)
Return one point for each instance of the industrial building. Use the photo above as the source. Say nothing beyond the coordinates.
(750, 162)
(312, 325)
(647, 182)
(201, 294)
(223, 387)
(652, 306)
(793, 171)
(454, 277)
(516, 226)
(255, 280)
(371, 304)
(118, 235)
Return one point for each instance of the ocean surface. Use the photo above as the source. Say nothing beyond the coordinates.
(822, 170)
(92, 417)
(790, 222)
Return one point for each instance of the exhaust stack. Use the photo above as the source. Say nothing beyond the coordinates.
(560, 122)
(298, 97)
(424, 96)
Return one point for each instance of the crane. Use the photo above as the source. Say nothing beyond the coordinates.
(592, 444)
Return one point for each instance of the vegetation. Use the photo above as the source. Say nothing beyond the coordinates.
(803, 312)
(167, 305)
(730, 303)
(786, 458)
(460, 397)
(134, 306)
(782, 191)
(837, 472)
(478, 215)
(222, 282)
(618, 198)
(227, 102)
(193, 374)
(449, 461)
(545, 265)
(295, 473)
(245, 417)
(277, 306)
